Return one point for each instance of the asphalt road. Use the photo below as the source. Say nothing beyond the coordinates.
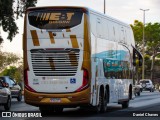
(145, 106)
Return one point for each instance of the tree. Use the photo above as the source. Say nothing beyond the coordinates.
(9, 72)
(137, 28)
(153, 42)
(10, 10)
(14, 72)
(7, 59)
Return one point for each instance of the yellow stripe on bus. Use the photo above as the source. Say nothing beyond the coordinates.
(51, 63)
(73, 58)
(74, 41)
(86, 63)
(51, 37)
(35, 38)
(68, 30)
(47, 16)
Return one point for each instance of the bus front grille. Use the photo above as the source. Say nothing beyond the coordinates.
(54, 62)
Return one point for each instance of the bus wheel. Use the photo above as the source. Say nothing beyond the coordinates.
(104, 103)
(98, 108)
(125, 104)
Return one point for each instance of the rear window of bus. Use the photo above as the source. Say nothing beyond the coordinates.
(55, 19)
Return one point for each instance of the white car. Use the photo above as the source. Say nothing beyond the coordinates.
(147, 85)
(16, 91)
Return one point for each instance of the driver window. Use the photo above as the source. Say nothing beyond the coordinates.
(12, 81)
(9, 82)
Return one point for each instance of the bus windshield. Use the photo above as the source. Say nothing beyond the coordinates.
(55, 18)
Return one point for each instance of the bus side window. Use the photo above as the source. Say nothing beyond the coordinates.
(104, 29)
(99, 28)
(93, 24)
(122, 37)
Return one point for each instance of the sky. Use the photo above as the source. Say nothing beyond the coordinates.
(124, 10)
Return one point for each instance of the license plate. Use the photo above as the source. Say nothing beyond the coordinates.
(55, 100)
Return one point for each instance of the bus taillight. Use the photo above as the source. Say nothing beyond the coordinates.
(85, 81)
(26, 81)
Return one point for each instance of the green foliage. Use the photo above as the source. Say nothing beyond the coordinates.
(157, 62)
(9, 72)
(9, 11)
(153, 38)
(17, 76)
(147, 62)
(14, 72)
(152, 43)
(158, 56)
(147, 57)
(7, 58)
(137, 28)
(7, 20)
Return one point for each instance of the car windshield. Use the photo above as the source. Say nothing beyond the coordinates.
(144, 81)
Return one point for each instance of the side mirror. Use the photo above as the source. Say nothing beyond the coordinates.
(136, 54)
(134, 58)
(140, 61)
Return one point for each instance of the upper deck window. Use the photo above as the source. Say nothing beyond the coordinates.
(55, 18)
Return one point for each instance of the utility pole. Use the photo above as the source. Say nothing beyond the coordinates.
(144, 10)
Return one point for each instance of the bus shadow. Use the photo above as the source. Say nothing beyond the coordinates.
(82, 113)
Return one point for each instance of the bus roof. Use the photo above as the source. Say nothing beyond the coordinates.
(65, 7)
(80, 7)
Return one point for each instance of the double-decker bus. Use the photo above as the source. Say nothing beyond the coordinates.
(75, 56)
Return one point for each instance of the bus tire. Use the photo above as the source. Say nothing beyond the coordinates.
(98, 107)
(104, 103)
(130, 92)
(125, 104)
